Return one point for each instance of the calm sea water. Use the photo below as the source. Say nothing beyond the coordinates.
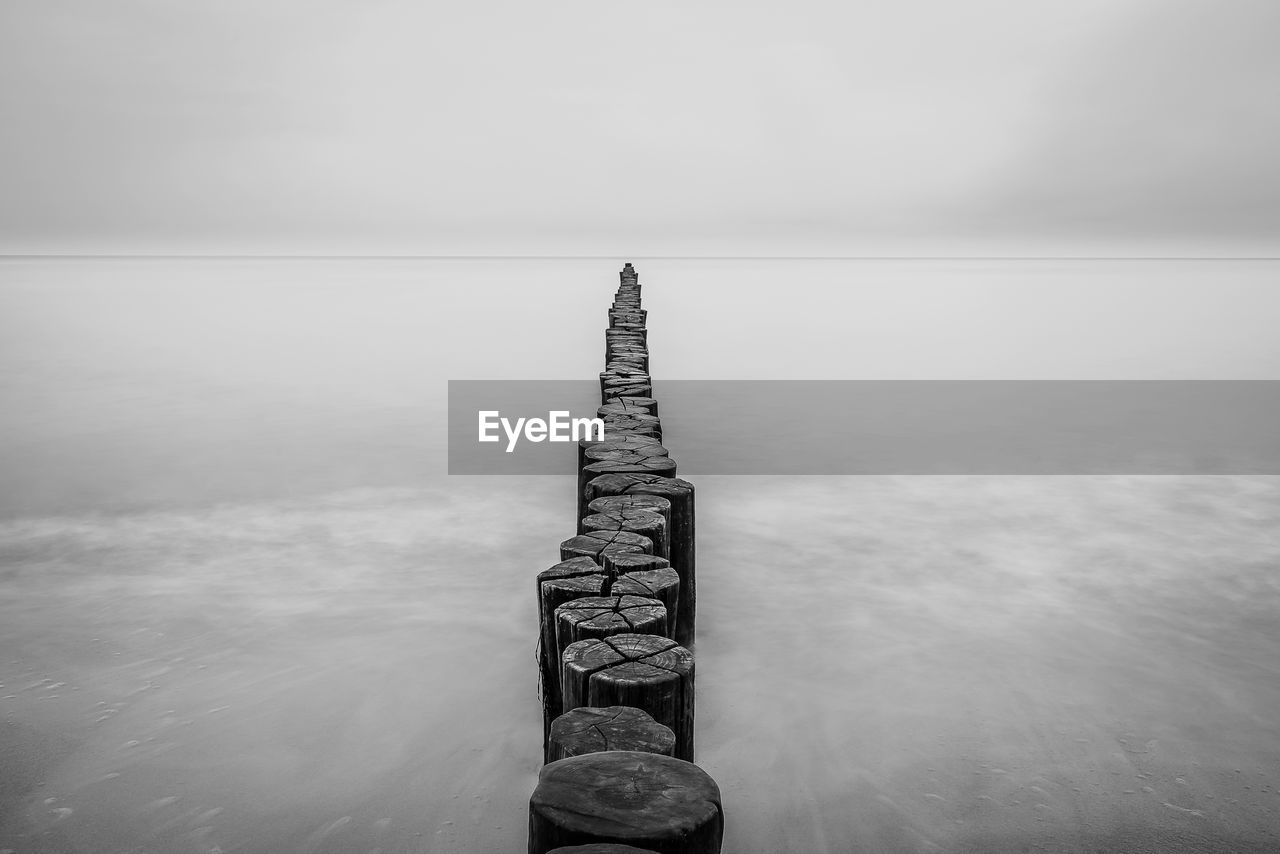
(243, 608)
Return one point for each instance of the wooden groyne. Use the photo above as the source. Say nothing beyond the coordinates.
(617, 621)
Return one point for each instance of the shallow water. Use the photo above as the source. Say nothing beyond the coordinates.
(242, 609)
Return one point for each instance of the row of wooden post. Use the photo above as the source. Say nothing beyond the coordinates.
(617, 618)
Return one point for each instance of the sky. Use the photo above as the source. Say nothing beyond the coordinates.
(571, 127)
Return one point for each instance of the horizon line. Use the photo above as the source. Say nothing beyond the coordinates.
(551, 257)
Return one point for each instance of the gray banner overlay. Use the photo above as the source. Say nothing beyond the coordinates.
(808, 427)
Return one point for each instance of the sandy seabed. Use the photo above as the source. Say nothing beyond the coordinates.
(912, 664)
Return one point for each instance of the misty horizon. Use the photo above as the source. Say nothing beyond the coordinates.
(1104, 128)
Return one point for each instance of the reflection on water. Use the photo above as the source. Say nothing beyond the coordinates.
(314, 642)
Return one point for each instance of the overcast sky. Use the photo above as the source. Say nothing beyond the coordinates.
(600, 127)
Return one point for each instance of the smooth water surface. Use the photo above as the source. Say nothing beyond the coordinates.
(243, 609)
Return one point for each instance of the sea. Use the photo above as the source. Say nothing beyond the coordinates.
(244, 607)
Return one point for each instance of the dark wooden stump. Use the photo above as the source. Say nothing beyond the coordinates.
(604, 616)
(630, 389)
(615, 442)
(680, 533)
(644, 575)
(639, 361)
(632, 336)
(611, 503)
(649, 672)
(601, 848)
(627, 312)
(613, 448)
(568, 580)
(641, 443)
(625, 574)
(625, 336)
(629, 331)
(589, 730)
(647, 523)
(588, 617)
(632, 425)
(622, 375)
(641, 402)
(634, 355)
(626, 797)
(598, 543)
(622, 406)
(618, 342)
(640, 461)
(623, 369)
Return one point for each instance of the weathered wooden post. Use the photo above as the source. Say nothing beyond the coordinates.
(615, 503)
(626, 797)
(649, 672)
(641, 461)
(605, 616)
(637, 521)
(590, 730)
(588, 617)
(640, 442)
(601, 848)
(681, 532)
(624, 381)
(634, 424)
(625, 406)
(634, 574)
(634, 401)
(623, 574)
(597, 543)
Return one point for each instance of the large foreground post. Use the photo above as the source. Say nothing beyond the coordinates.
(626, 797)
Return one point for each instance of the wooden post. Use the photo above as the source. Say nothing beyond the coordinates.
(622, 406)
(612, 503)
(601, 848)
(636, 355)
(634, 461)
(598, 543)
(638, 360)
(605, 616)
(624, 574)
(622, 376)
(590, 730)
(625, 336)
(570, 579)
(626, 313)
(645, 404)
(624, 388)
(644, 575)
(626, 797)
(680, 532)
(632, 425)
(641, 443)
(645, 671)
(638, 521)
(632, 351)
